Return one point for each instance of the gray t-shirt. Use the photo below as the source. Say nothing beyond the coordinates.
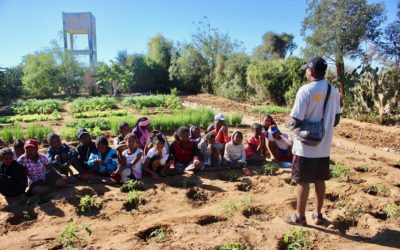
(308, 106)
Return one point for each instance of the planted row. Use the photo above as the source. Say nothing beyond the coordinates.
(170, 101)
(34, 131)
(55, 116)
(199, 117)
(105, 113)
(34, 106)
(270, 109)
(80, 105)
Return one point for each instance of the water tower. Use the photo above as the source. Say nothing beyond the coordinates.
(81, 23)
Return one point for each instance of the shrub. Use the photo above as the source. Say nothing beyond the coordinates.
(270, 109)
(72, 235)
(297, 238)
(33, 106)
(80, 105)
(38, 132)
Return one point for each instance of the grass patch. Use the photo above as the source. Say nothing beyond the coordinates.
(38, 132)
(11, 133)
(144, 101)
(83, 104)
(34, 131)
(270, 109)
(234, 120)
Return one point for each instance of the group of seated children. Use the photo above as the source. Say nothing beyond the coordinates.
(136, 152)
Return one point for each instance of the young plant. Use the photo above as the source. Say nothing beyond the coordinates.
(297, 238)
(135, 197)
(87, 203)
(199, 195)
(32, 200)
(72, 235)
(159, 235)
(80, 105)
(270, 169)
(343, 200)
(26, 215)
(378, 189)
(132, 185)
(232, 246)
(353, 211)
(228, 209)
(247, 204)
(340, 172)
(391, 211)
(232, 177)
(185, 182)
(38, 132)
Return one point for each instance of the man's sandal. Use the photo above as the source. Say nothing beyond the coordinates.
(293, 219)
(318, 219)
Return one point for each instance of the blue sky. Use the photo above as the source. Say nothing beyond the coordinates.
(28, 26)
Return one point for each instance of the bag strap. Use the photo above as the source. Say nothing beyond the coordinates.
(328, 93)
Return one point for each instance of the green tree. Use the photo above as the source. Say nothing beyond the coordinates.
(41, 75)
(190, 70)
(10, 83)
(160, 50)
(215, 47)
(389, 45)
(335, 28)
(113, 78)
(272, 79)
(70, 70)
(232, 81)
(275, 46)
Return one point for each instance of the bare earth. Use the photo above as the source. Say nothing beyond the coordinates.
(193, 224)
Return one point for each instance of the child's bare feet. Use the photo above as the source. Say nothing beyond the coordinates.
(246, 171)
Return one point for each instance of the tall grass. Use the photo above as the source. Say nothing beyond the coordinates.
(33, 106)
(200, 117)
(34, 131)
(37, 131)
(234, 120)
(11, 133)
(80, 105)
(271, 109)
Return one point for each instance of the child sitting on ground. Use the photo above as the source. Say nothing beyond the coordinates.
(13, 180)
(210, 150)
(195, 134)
(18, 147)
(155, 162)
(155, 134)
(184, 153)
(256, 149)
(42, 177)
(85, 148)
(61, 156)
(131, 164)
(234, 155)
(280, 145)
(103, 163)
(141, 130)
(267, 122)
(119, 141)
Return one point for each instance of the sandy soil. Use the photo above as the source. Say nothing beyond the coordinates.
(207, 224)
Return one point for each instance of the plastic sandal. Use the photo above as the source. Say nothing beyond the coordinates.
(318, 219)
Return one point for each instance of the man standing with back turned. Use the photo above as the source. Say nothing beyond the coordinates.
(311, 162)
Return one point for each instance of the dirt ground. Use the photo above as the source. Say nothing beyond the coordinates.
(371, 151)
